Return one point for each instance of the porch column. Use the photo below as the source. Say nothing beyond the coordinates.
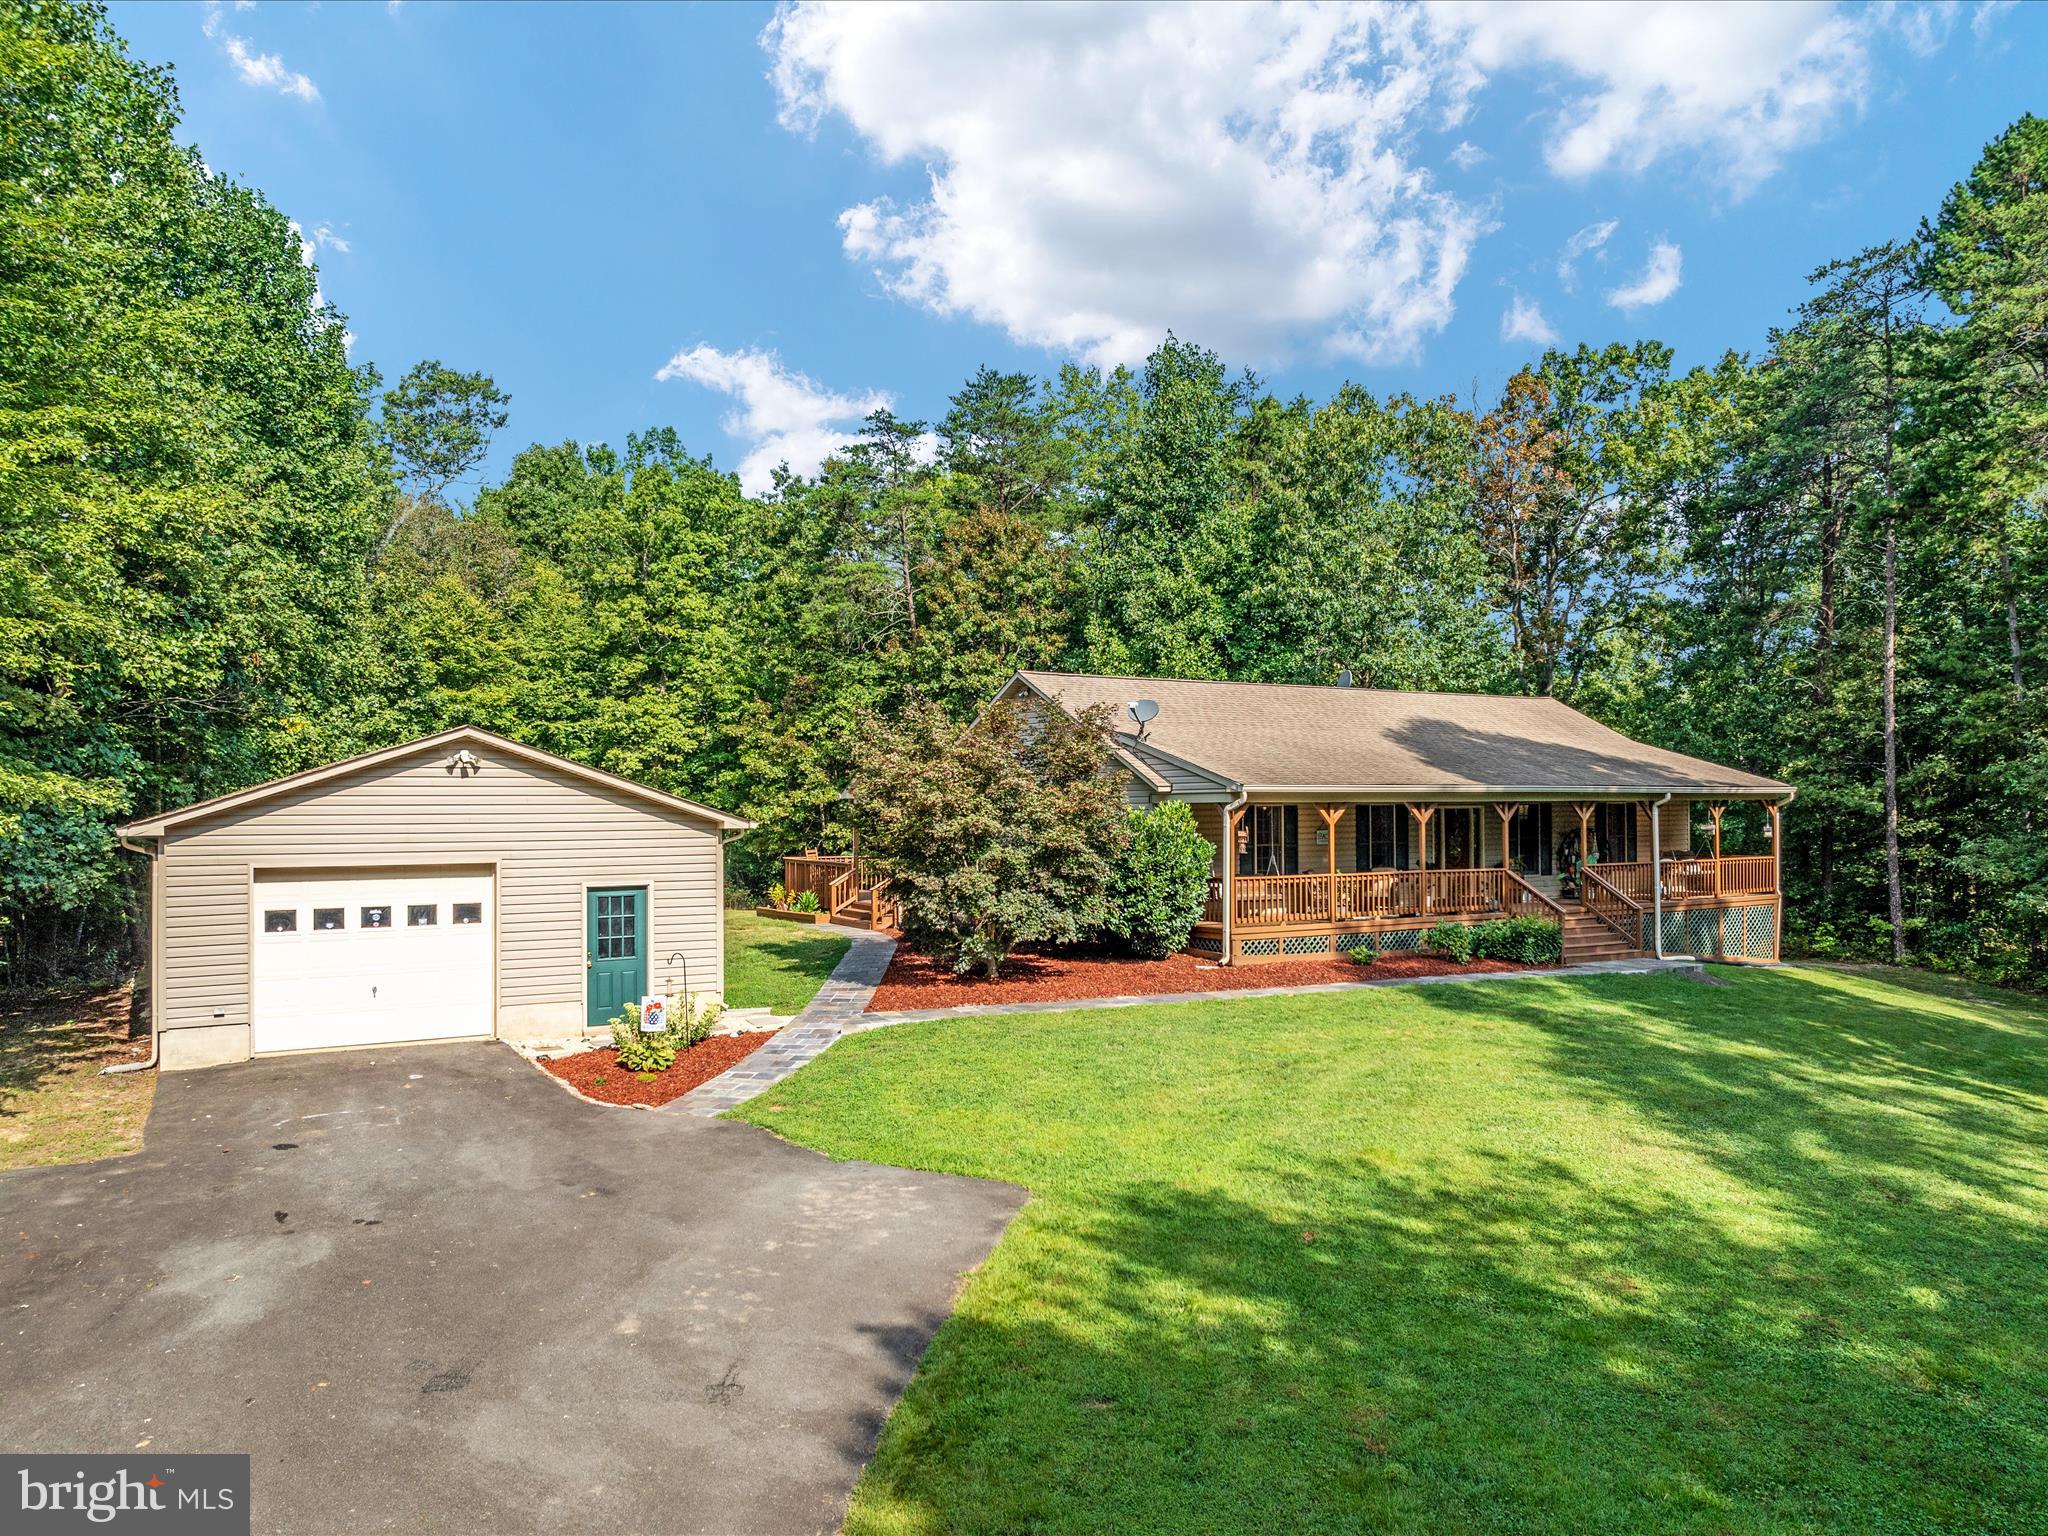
(1585, 810)
(1777, 879)
(1231, 822)
(1714, 815)
(1331, 814)
(1422, 815)
(1506, 813)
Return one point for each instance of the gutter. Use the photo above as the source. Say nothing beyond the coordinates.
(1229, 853)
(155, 980)
(1657, 877)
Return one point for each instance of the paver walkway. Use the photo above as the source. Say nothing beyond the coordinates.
(835, 1011)
(839, 1009)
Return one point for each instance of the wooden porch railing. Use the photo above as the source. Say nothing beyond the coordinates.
(832, 877)
(1616, 908)
(1745, 874)
(1287, 901)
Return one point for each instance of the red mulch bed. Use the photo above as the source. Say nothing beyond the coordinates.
(598, 1073)
(1034, 975)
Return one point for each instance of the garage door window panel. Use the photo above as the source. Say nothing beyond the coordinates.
(281, 920)
(423, 915)
(467, 914)
(327, 919)
(376, 917)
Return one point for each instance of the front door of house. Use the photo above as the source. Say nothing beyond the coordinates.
(614, 952)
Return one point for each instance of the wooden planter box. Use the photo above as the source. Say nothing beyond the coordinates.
(793, 917)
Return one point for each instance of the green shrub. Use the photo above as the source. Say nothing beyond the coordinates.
(1451, 940)
(1362, 954)
(642, 1052)
(804, 901)
(1491, 940)
(1159, 887)
(777, 895)
(1533, 940)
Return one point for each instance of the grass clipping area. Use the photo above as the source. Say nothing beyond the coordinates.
(55, 1106)
(1614, 1255)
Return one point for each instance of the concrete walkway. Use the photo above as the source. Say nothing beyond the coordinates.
(835, 1011)
(838, 1010)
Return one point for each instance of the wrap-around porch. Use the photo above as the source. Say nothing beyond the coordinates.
(1297, 879)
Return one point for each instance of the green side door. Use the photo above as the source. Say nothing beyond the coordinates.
(614, 952)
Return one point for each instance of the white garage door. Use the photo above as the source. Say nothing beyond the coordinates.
(365, 957)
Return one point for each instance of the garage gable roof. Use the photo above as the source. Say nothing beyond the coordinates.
(460, 736)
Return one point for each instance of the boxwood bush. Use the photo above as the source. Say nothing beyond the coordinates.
(1160, 884)
(1527, 940)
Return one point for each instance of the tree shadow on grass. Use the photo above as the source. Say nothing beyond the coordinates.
(786, 970)
(48, 1033)
(1809, 1299)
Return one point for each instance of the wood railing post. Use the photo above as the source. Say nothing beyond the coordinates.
(1331, 814)
(1714, 815)
(1422, 815)
(1506, 813)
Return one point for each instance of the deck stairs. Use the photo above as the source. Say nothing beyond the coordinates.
(858, 911)
(1586, 937)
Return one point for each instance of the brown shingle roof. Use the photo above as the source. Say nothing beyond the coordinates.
(1280, 737)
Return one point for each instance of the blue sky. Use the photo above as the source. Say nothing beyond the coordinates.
(753, 224)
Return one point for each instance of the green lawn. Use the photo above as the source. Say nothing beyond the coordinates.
(778, 965)
(1631, 1254)
(55, 1105)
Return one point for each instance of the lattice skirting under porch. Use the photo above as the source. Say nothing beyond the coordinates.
(1722, 933)
(1253, 949)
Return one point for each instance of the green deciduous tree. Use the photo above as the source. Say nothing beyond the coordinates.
(999, 833)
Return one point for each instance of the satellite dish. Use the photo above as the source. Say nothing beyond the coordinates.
(1143, 711)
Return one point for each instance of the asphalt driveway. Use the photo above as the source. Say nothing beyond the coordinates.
(430, 1291)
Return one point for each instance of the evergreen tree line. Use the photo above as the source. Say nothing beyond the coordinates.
(230, 554)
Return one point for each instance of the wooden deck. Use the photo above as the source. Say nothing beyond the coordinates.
(1287, 917)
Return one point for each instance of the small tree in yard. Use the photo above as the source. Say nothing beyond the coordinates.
(1160, 886)
(995, 835)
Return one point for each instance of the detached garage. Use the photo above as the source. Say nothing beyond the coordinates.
(457, 887)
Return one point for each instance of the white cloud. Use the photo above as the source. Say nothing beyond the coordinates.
(1523, 321)
(1587, 241)
(253, 68)
(1739, 86)
(783, 416)
(1098, 175)
(1986, 15)
(1089, 176)
(1924, 28)
(1660, 280)
(326, 239)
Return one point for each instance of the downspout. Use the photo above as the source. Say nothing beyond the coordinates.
(155, 979)
(1228, 854)
(1657, 876)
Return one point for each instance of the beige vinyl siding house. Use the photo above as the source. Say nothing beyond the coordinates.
(1474, 807)
(464, 872)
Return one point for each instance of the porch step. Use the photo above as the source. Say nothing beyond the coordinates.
(1588, 938)
(855, 914)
